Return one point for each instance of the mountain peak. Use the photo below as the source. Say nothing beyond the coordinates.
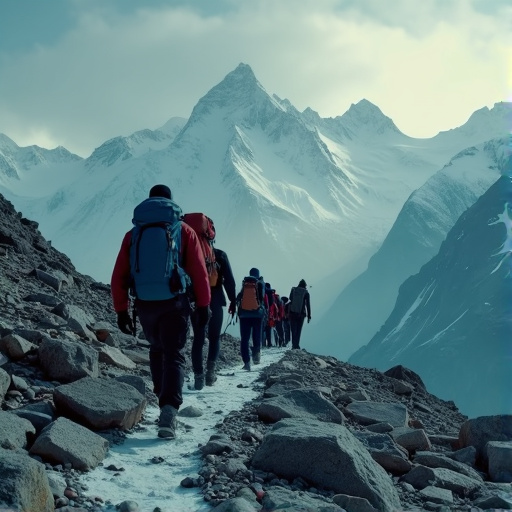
(364, 115)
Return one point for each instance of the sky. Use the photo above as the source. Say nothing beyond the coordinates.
(76, 73)
(162, 464)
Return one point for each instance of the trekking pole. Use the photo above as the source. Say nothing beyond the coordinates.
(228, 324)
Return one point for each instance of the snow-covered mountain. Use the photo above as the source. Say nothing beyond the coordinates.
(297, 195)
(452, 322)
(420, 228)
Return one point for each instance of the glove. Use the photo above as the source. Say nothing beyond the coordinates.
(232, 308)
(124, 322)
(309, 319)
(203, 315)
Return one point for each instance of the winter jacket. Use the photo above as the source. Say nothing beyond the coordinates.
(192, 262)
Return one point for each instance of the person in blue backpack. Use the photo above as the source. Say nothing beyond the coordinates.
(251, 307)
(159, 260)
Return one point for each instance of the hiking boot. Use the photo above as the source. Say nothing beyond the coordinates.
(210, 376)
(256, 357)
(247, 366)
(198, 381)
(167, 422)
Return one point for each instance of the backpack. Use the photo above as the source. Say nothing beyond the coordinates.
(155, 260)
(205, 230)
(297, 299)
(249, 302)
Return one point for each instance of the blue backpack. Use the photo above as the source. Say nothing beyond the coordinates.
(155, 261)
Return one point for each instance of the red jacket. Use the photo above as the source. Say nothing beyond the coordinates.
(193, 263)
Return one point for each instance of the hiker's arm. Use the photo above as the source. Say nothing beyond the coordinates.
(308, 306)
(120, 281)
(194, 265)
(229, 280)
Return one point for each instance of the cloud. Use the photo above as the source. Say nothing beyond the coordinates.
(427, 65)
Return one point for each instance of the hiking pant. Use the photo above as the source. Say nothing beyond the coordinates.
(286, 331)
(296, 323)
(267, 340)
(250, 326)
(213, 329)
(165, 326)
(280, 333)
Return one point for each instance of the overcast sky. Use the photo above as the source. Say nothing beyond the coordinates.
(78, 72)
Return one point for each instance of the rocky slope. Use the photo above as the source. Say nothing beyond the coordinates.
(323, 435)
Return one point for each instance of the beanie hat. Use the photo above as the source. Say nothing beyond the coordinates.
(284, 299)
(302, 283)
(160, 191)
(267, 286)
(254, 272)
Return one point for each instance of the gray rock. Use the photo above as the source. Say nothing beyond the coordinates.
(437, 495)
(370, 412)
(100, 403)
(66, 361)
(65, 442)
(237, 504)
(353, 503)
(412, 439)
(5, 381)
(24, 483)
(14, 431)
(327, 455)
(499, 456)
(436, 460)
(16, 347)
(283, 499)
(299, 403)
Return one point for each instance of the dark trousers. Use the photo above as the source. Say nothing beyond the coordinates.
(296, 323)
(213, 329)
(249, 327)
(280, 333)
(165, 326)
(286, 331)
(267, 340)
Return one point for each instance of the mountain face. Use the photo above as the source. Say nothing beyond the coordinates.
(292, 193)
(452, 322)
(420, 228)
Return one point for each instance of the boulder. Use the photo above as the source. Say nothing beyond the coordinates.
(24, 483)
(369, 412)
(14, 431)
(65, 442)
(326, 455)
(66, 361)
(100, 403)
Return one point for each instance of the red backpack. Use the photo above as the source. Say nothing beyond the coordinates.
(205, 230)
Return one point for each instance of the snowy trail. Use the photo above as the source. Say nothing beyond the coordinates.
(149, 469)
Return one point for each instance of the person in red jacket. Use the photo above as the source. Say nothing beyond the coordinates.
(164, 322)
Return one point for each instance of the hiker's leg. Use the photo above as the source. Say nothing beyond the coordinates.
(214, 329)
(197, 344)
(294, 332)
(300, 323)
(256, 336)
(245, 334)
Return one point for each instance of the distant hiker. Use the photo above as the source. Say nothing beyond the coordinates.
(299, 309)
(279, 321)
(221, 275)
(286, 320)
(270, 316)
(250, 301)
(159, 259)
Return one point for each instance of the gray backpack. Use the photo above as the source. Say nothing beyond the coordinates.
(297, 296)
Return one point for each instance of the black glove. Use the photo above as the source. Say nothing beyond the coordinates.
(203, 315)
(232, 308)
(124, 322)
(309, 319)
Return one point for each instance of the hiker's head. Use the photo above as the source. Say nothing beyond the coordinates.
(160, 191)
(267, 286)
(254, 272)
(284, 299)
(302, 283)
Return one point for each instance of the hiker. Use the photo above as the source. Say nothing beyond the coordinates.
(299, 309)
(286, 320)
(251, 307)
(159, 242)
(270, 316)
(279, 321)
(225, 280)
